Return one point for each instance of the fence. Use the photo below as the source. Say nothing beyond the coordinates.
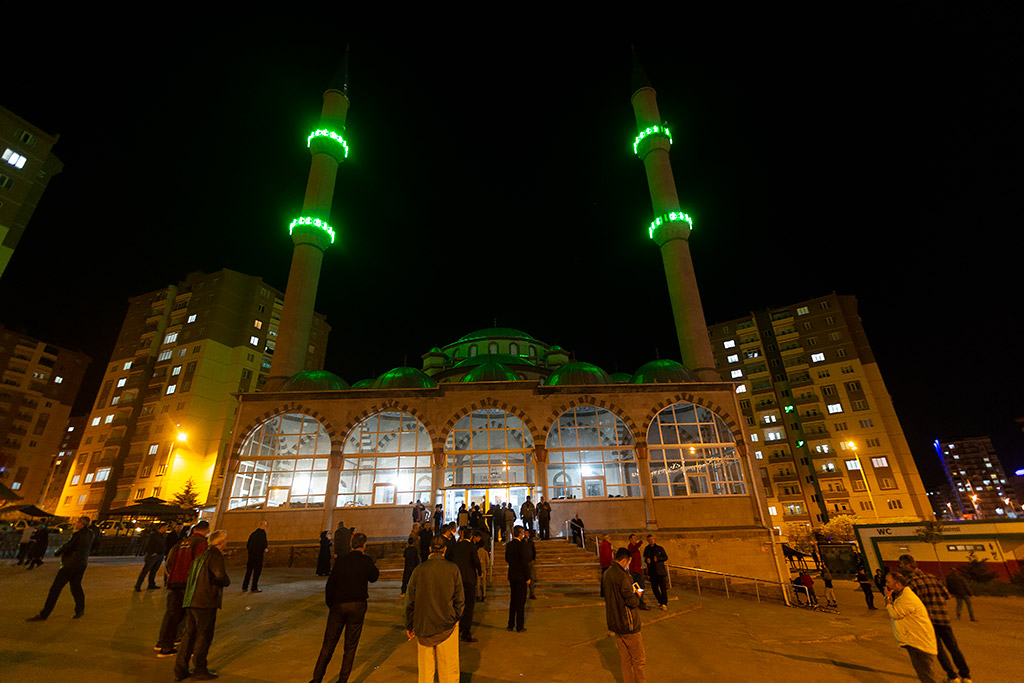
(103, 546)
(733, 585)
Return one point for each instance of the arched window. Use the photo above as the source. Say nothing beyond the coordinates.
(387, 461)
(492, 348)
(692, 452)
(533, 352)
(488, 447)
(472, 350)
(283, 464)
(590, 454)
(513, 349)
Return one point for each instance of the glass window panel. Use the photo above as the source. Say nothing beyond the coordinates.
(423, 461)
(318, 483)
(661, 490)
(347, 482)
(698, 485)
(291, 423)
(387, 463)
(281, 479)
(300, 484)
(704, 415)
(364, 482)
(284, 465)
(320, 464)
(304, 464)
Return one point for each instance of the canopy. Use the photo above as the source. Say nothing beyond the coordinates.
(792, 552)
(28, 511)
(151, 507)
(7, 495)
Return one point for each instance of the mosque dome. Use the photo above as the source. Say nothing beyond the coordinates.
(363, 384)
(664, 371)
(492, 371)
(403, 378)
(490, 332)
(315, 380)
(487, 358)
(578, 373)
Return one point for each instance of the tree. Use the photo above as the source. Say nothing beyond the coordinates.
(839, 529)
(932, 531)
(800, 537)
(188, 498)
(975, 570)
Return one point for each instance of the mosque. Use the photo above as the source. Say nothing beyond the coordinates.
(498, 415)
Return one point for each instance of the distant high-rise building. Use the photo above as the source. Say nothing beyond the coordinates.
(823, 428)
(165, 410)
(977, 480)
(60, 464)
(26, 168)
(38, 385)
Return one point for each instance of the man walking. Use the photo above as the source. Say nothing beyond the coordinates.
(426, 536)
(957, 587)
(865, 585)
(433, 604)
(468, 562)
(342, 540)
(620, 603)
(153, 555)
(26, 543)
(934, 596)
(510, 521)
(911, 626)
(74, 559)
(544, 518)
(179, 562)
(526, 513)
(256, 547)
(518, 580)
(636, 569)
(204, 591)
(347, 592)
(655, 558)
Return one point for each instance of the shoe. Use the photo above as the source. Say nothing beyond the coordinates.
(245, 590)
(521, 630)
(138, 590)
(208, 676)
(533, 597)
(401, 595)
(79, 615)
(469, 639)
(255, 590)
(157, 648)
(163, 654)
(152, 588)
(664, 608)
(967, 680)
(178, 678)
(508, 629)
(40, 617)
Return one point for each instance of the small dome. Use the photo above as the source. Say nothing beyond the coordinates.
(487, 358)
(489, 332)
(403, 378)
(616, 377)
(578, 373)
(664, 371)
(363, 384)
(315, 380)
(435, 350)
(491, 372)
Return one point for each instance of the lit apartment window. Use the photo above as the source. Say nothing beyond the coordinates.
(803, 310)
(822, 448)
(741, 388)
(108, 419)
(82, 498)
(770, 418)
(121, 382)
(835, 408)
(164, 355)
(258, 324)
(102, 474)
(730, 344)
(737, 373)
(758, 455)
(14, 159)
(255, 341)
(89, 477)
(773, 436)
(772, 510)
(828, 467)
(114, 401)
(880, 462)
(75, 479)
(176, 370)
(753, 437)
(170, 389)
(817, 357)
(852, 465)
(95, 421)
(735, 358)
(127, 366)
(170, 337)
(191, 318)
(153, 448)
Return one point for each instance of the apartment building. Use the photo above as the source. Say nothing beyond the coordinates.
(977, 481)
(822, 425)
(166, 406)
(38, 385)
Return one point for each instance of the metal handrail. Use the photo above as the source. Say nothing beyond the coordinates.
(568, 534)
(786, 586)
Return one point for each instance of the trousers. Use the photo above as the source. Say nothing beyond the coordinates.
(347, 617)
(947, 641)
(253, 568)
(545, 528)
(634, 658)
(199, 625)
(174, 613)
(517, 604)
(64, 577)
(923, 663)
(442, 658)
(466, 620)
(149, 566)
(659, 584)
(960, 601)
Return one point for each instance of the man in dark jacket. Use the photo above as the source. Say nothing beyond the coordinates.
(621, 602)
(204, 592)
(518, 579)
(153, 555)
(426, 535)
(342, 540)
(256, 547)
(74, 558)
(655, 558)
(176, 569)
(433, 605)
(467, 560)
(526, 512)
(957, 587)
(346, 595)
(40, 541)
(544, 518)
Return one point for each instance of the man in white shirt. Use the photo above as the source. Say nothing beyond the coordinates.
(911, 626)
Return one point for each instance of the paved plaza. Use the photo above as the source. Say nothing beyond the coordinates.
(276, 636)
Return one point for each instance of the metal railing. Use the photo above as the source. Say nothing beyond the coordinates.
(568, 535)
(734, 585)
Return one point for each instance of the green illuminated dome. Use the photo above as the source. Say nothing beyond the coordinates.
(403, 378)
(663, 371)
(492, 371)
(315, 380)
(491, 332)
(363, 384)
(486, 358)
(578, 373)
(616, 377)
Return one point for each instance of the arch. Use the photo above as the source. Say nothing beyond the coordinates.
(386, 460)
(489, 402)
(488, 447)
(385, 405)
(282, 462)
(591, 454)
(585, 400)
(718, 410)
(281, 410)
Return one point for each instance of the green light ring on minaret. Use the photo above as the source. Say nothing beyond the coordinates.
(330, 134)
(670, 217)
(314, 222)
(652, 130)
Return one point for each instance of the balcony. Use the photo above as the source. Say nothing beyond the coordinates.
(783, 478)
(787, 334)
(806, 398)
(842, 493)
(782, 457)
(791, 498)
(781, 317)
(825, 474)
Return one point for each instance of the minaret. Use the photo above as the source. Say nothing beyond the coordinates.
(311, 232)
(670, 229)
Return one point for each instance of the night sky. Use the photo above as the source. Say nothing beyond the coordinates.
(492, 178)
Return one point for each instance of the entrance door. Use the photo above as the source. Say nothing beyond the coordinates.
(453, 498)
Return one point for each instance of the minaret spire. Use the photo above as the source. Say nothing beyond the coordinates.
(670, 228)
(311, 232)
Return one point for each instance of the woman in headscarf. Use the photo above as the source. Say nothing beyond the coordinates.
(323, 561)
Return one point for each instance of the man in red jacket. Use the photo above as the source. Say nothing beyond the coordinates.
(179, 561)
(604, 556)
(204, 594)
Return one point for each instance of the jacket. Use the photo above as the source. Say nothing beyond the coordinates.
(517, 557)
(343, 541)
(349, 579)
(434, 600)
(910, 622)
(544, 510)
(206, 581)
(604, 554)
(468, 561)
(620, 601)
(527, 510)
(75, 553)
(257, 542)
(155, 543)
(179, 560)
(635, 567)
